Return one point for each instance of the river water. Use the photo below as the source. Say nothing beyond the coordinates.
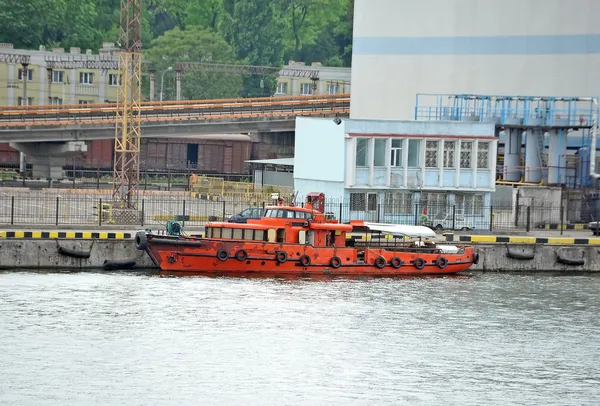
(136, 339)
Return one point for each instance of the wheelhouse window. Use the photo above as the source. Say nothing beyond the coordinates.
(236, 233)
(287, 214)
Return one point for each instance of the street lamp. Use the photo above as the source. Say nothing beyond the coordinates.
(162, 79)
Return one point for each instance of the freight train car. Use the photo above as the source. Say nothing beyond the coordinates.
(9, 157)
(219, 153)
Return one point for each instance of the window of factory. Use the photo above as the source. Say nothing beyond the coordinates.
(25, 102)
(466, 147)
(333, 88)
(469, 204)
(57, 76)
(398, 203)
(433, 204)
(358, 201)
(29, 74)
(362, 149)
(414, 151)
(86, 78)
(397, 152)
(113, 79)
(379, 155)
(55, 101)
(431, 154)
(483, 155)
(305, 89)
(282, 88)
(449, 147)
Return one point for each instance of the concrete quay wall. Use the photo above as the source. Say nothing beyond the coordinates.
(22, 253)
(46, 253)
(537, 258)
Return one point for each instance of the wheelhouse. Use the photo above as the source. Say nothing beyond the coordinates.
(284, 224)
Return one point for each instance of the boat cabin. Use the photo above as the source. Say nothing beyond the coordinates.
(285, 224)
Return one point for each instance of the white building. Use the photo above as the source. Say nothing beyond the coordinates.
(508, 47)
(395, 171)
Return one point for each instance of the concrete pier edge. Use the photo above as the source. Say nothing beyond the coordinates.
(40, 254)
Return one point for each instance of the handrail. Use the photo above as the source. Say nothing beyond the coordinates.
(54, 107)
(174, 116)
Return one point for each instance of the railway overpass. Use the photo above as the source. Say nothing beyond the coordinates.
(167, 119)
(51, 133)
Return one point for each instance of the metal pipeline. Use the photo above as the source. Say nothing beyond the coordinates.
(504, 182)
(593, 173)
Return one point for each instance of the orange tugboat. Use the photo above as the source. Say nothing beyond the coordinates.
(290, 240)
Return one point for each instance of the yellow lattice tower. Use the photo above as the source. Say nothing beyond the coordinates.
(126, 173)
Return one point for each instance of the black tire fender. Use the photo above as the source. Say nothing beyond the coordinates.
(335, 262)
(419, 263)
(441, 262)
(241, 255)
(281, 257)
(141, 241)
(304, 260)
(380, 262)
(396, 262)
(222, 255)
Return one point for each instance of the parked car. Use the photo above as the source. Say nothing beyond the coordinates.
(446, 222)
(244, 215)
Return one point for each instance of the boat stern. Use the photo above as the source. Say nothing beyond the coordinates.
(472, 254)
(142, 238)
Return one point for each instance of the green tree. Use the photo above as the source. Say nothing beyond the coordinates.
(205, 13)
(256, 32)
(307, 19)
(28, 24)
(194, 44)
(164, 15)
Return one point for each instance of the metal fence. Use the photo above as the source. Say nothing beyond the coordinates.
(99, 210)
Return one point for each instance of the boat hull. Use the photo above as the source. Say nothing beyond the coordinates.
(184, 256)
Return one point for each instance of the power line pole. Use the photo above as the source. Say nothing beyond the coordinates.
(126, 172)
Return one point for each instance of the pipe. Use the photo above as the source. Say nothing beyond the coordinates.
(593, 173)
(503, 182)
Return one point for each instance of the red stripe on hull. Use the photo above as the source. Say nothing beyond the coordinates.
(197, 261)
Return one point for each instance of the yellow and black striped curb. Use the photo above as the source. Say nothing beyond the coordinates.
(556, 226)
(85, 235)
(205, 196)
(528, 240)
